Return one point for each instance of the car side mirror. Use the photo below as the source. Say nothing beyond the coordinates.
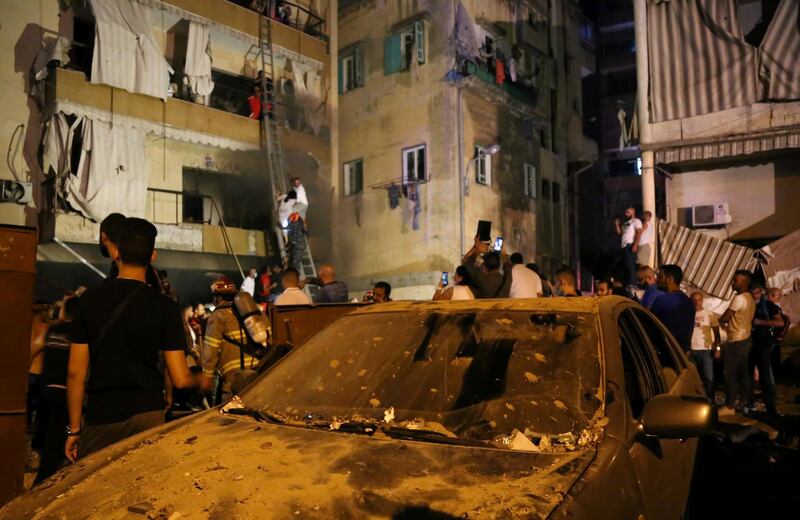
(676, 416)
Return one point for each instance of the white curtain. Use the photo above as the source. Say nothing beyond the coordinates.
(198, 61)
(126, 54)
(112, 174)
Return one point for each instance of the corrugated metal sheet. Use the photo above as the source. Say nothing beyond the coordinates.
(707, 262)
(729, 147)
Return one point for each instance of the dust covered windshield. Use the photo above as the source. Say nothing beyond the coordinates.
(476, 374)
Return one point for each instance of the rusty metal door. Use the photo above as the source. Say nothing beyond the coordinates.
(17, 279)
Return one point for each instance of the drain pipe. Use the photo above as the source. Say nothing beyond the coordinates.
(461, 173)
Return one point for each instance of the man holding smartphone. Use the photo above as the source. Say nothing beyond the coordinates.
(489, 281)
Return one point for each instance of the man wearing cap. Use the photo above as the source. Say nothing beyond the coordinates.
(222, 344)
(120, 331)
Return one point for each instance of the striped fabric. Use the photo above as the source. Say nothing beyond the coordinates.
(699, 62)
(780, 53)
(707, 262)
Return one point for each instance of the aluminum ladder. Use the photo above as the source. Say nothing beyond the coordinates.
(271, 139)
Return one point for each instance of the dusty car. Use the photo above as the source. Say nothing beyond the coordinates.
(547, 408)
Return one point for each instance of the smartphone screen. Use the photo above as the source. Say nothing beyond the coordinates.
(445, 277)
(498, 244)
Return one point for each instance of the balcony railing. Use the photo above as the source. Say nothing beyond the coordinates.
(288, 13)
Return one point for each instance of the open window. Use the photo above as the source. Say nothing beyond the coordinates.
(483, 166)
(351, 69)
(354, 177)
(402, 48)
(529, 180)
(415, 164)
(643, 379)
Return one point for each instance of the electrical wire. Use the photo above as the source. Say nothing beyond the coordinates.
(9, 160)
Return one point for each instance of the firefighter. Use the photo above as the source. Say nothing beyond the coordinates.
(224, 349)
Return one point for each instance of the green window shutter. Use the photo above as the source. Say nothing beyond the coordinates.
(392, 59)
(359, 66)
(419, 41)
(341, 76)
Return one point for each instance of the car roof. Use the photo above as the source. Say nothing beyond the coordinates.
(583, 304)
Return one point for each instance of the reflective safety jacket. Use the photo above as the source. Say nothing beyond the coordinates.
(220, 352)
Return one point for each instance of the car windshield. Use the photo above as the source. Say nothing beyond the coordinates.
(476, 375)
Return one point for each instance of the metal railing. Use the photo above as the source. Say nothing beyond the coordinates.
(176, 199)
(297, 16)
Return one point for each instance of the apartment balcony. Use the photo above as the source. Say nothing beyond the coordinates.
(292, 36)
(172, 236)
(233, 130)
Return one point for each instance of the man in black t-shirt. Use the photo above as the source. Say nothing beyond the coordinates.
(118, 333)
(767, 316)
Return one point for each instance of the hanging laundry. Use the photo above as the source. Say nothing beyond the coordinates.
(499, 72)
(512, 70)
(394, 196)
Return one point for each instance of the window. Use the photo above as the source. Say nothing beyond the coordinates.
(351, 70)
(664, 348)
(545, 189)
(530, 180)
(399, 50)
(556, 193)
(414, 165)
(483, 167)
(354, 177)
(642, 377)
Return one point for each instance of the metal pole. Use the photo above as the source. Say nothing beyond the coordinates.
(226, 239)
(80, 258)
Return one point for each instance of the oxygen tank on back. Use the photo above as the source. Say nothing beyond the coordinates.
(255, 323)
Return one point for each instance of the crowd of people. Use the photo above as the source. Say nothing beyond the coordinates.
(109, 360)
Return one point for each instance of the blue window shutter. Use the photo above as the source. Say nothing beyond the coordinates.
(392, 60)
(419, 41)
(341, 76)
(358, 64)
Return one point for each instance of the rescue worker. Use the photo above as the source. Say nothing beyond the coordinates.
(223, 349)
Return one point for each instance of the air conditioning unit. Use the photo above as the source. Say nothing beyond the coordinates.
(13, 191)
(709, 215)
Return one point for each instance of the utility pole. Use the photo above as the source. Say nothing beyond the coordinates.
(643, 108)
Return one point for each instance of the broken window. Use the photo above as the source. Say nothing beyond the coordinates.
(483, 166)
(477, 373)
(354, 177)
(414, 165)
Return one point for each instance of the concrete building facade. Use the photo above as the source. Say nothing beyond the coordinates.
(425, 89)
(202, 161)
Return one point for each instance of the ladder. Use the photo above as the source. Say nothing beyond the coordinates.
(271, 140)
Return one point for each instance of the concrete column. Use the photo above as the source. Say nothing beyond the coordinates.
(649, 198)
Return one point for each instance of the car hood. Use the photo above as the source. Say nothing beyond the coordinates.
(215, 466)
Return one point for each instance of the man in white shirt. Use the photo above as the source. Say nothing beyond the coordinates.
(301, 206)
(524, 282)
(646, 239)
(292, 294)
(704, 343)
(249, 283)
(738, 321)
(630, 232)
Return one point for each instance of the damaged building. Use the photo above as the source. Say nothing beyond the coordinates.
(142, 107)
(450, 113)
(719, 116)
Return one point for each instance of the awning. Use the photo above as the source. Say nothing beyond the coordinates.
(781, 264)
(728, 147)
(707, 262)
